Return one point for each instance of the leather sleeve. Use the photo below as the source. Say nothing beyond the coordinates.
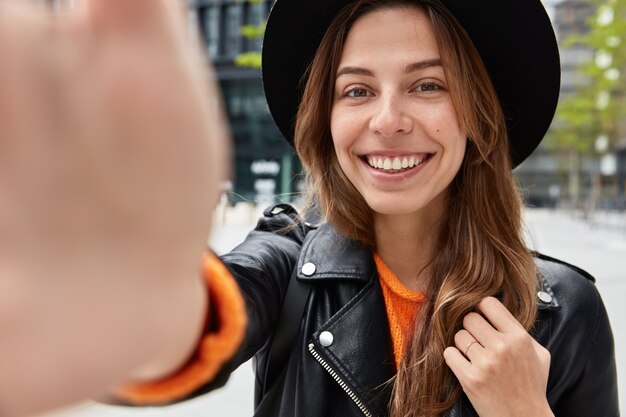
(262, 266)
(577, 332)
(594, 393)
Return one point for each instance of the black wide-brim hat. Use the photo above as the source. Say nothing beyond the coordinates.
(514, 38)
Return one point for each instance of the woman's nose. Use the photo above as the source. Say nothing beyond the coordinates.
(389, 118)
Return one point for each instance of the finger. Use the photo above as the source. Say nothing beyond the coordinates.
(468, 345)
(480, 329)
(23, 26)
(457, 363)
(498, 315)
(542, 353)
(153, 18)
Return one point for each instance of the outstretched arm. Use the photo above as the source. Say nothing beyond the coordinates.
(111, 145)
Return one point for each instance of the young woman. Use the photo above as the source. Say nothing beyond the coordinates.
(424, 301)
(408, 116)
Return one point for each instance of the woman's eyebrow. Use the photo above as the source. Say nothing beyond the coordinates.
(354, 71)
(416, 66)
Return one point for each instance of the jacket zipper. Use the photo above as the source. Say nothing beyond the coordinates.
(340, 381)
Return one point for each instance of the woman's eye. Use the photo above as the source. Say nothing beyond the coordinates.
(427, 87)
(357, 92)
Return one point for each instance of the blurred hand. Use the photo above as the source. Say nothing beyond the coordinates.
(111, 148)
(501, 368)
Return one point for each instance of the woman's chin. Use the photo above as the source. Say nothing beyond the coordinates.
(403, 204)
(393, 208)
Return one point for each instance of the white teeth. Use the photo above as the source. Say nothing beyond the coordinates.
(394, 164)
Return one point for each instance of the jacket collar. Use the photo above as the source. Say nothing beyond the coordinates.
(328, 255)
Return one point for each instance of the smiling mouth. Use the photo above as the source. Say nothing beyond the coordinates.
(396, 163)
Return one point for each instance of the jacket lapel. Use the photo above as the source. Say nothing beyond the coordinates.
(361, 352)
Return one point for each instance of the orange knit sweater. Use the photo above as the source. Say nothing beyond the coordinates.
(402, 306)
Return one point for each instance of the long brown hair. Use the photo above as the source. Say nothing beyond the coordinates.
(480, 249)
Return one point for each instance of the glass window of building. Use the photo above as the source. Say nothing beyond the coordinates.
(212, 29)
(256, 16)
(232, 45)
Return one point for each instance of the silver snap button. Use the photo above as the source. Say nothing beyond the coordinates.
(308, 269)
(544, 297)
(326, 338)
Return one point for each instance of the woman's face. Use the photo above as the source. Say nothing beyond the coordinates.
(394, 128)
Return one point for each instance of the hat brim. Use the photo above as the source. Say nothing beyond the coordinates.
(515, 40)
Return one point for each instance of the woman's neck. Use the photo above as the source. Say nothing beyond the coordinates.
(406, 243)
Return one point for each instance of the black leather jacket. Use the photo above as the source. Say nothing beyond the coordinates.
(347, 378)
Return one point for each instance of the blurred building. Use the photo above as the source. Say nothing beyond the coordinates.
(265, 164)
(570, 18)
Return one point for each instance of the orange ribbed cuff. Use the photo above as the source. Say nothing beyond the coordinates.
(214, 349)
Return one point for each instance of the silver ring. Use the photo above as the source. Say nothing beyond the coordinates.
(468, 346)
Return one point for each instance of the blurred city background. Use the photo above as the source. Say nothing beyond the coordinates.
(574, 184)
(581, 164)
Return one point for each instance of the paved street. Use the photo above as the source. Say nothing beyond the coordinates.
(599, 249)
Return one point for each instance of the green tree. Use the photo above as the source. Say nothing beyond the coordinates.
(597, 107)
(587, 123)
